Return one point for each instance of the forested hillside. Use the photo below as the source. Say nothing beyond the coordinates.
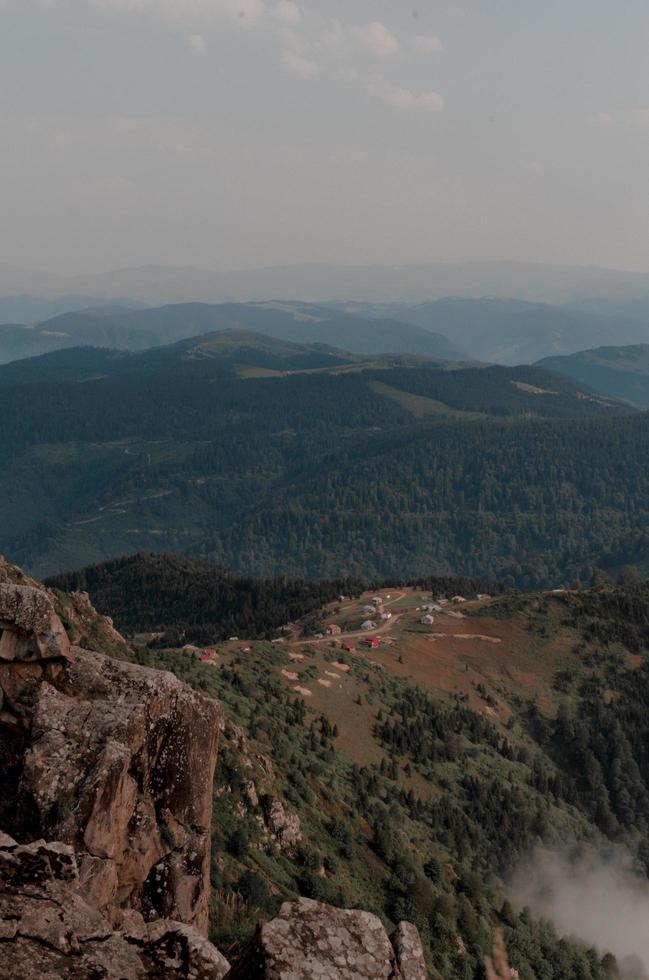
(274, 458)
(617, 372)
(421, 783)
(202, 603)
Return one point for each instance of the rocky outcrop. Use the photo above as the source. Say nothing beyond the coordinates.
(309, 940)
(29, 628)
(280, 829)
(409, 952)
(113, 759)
(49, 931)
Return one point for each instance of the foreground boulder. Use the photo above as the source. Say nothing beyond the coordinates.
(48, 931)
(310, 940)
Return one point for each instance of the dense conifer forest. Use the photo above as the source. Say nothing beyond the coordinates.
(364, 470)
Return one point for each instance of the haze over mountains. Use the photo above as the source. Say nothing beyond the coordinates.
(279, 435)
(319, 283)
(499, 331)
(511, 331)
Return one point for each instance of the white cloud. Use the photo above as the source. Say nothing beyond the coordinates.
(377, 39)
(427, 44)
(299, 64)
(404, 98)
(197, 42)
(287, 12)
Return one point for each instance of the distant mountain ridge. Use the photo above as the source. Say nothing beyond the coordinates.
(139, 329)
(511, 331)
(155, 285)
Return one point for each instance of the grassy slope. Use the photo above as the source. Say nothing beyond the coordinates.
(374, 818)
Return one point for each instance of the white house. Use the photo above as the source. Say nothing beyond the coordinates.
(368, 625)
(427, 620)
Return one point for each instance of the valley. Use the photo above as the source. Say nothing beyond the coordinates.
(425, 768)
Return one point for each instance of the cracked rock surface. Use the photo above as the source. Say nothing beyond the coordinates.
(312, 941)
(48, 931)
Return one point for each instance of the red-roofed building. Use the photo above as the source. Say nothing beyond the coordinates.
(373, 642)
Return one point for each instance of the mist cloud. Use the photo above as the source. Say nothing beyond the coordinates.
(597, 898)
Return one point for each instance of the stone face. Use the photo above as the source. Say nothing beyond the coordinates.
(113, 759)
(50, 932)
(409, 952)
(29, 627)
(312, 941)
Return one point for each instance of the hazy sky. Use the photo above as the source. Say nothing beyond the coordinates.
(231, 133)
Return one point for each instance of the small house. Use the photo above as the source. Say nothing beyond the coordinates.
(368, 625)
(245, 649)
(333, 629)
(348, 647)
(458, 599)
(373, 642)
(377, 599)
(483, 596)
(385, 616)
(427, 620)
(369, 609)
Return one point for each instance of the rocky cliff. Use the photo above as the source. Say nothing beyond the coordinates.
(106, 773)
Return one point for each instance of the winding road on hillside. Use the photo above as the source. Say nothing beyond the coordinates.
(387, 625)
